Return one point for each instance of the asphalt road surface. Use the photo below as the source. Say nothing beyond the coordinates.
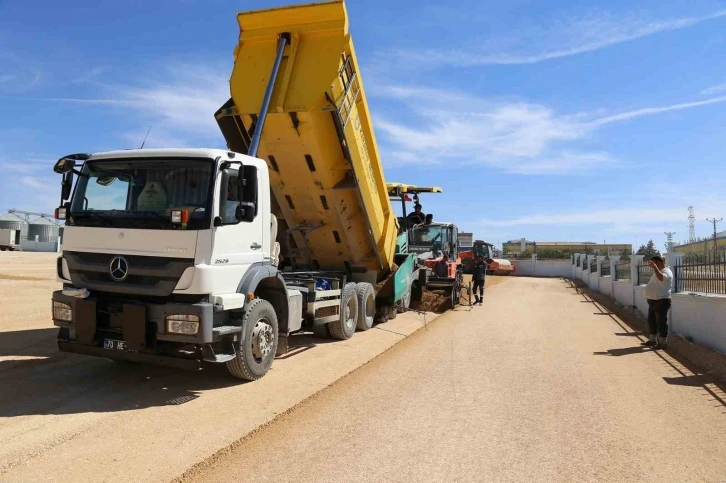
(538, 384)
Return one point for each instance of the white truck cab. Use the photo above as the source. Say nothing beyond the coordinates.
(165, 251)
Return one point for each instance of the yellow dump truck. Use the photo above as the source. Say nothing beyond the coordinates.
(314, 131)
(179, 256)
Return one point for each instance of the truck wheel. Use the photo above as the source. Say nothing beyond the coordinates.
(392, 313)
(321, 331)
(258, 345)
(366, 305)
(344, 328)
(382, 315)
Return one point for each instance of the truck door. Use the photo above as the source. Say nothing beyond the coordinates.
(238, 242)
(454, 243)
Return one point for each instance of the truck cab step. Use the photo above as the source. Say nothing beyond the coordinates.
(226, 330)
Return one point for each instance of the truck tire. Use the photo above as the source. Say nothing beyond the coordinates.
(321, 331)
(258, 342)
(382, 315)
(366, 305)
(392, 313)
(344, 328)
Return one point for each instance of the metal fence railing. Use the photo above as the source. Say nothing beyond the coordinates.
(644, 272)
(605, 268)
(702, 273)
(622, 270)
(593, 265)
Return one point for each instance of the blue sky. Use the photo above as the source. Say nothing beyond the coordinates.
(549, 120)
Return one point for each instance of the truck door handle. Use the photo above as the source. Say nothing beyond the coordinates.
(255, 246)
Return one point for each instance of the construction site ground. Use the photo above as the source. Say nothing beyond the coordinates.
(539, 384)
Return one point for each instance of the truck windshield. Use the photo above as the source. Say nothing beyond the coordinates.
(141, 193)
(427, 235)
(481, 250)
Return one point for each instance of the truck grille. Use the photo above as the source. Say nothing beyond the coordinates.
(155, 276)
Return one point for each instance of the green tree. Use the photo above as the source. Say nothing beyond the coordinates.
(649, 250)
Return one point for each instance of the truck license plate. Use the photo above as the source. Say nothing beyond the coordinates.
(112, 344)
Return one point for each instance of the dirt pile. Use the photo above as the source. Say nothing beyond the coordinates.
(433, 301)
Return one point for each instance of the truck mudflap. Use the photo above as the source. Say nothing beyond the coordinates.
(130, 356)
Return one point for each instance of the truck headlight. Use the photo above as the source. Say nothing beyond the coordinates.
(62, 311)
(186, 324)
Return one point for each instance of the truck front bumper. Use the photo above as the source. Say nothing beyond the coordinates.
(191, 364)
(139, 324)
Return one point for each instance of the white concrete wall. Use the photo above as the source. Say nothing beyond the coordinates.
(639, 300)
(606, 285)
(623, 292)
(552, 268)
(592, 281)
(522, 268)
(700, 317)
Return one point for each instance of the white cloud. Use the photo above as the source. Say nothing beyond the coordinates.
(628, 216)
(179, 102)
(32, 182)
(184, 99)
(17, 73)
(717, 89)
(562, 38)
(650, 111)
(517, 137)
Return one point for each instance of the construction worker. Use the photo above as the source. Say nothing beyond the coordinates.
(429, 219)
(417, 217)
(441, 269)
(479, 278)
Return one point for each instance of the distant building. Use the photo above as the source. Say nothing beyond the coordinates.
(524, 247)
(704, 245)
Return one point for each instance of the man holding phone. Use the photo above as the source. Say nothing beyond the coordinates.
(658, 294)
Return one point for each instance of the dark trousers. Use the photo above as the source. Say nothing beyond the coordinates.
(658, 316)
(480, 284)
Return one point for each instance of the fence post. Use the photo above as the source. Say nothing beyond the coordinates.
(635, 261)
(613, 263)
(673, 260)
(534, 264)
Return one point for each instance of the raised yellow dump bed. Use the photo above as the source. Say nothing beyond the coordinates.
(325, 169)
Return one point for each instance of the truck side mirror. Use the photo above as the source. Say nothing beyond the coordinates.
(64, 165)
(105, 180)
(245, 211)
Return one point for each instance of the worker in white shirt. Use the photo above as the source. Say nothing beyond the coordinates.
(658, 294)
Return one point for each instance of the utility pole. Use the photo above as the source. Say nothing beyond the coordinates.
(669, 242)
(714, 221)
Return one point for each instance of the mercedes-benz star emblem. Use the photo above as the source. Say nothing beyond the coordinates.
(118, 268)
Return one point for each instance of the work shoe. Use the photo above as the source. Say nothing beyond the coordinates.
(651, 341)
(662, 343)
(476, 300)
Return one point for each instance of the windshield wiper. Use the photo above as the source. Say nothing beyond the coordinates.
(105, 220)
(148, 212)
